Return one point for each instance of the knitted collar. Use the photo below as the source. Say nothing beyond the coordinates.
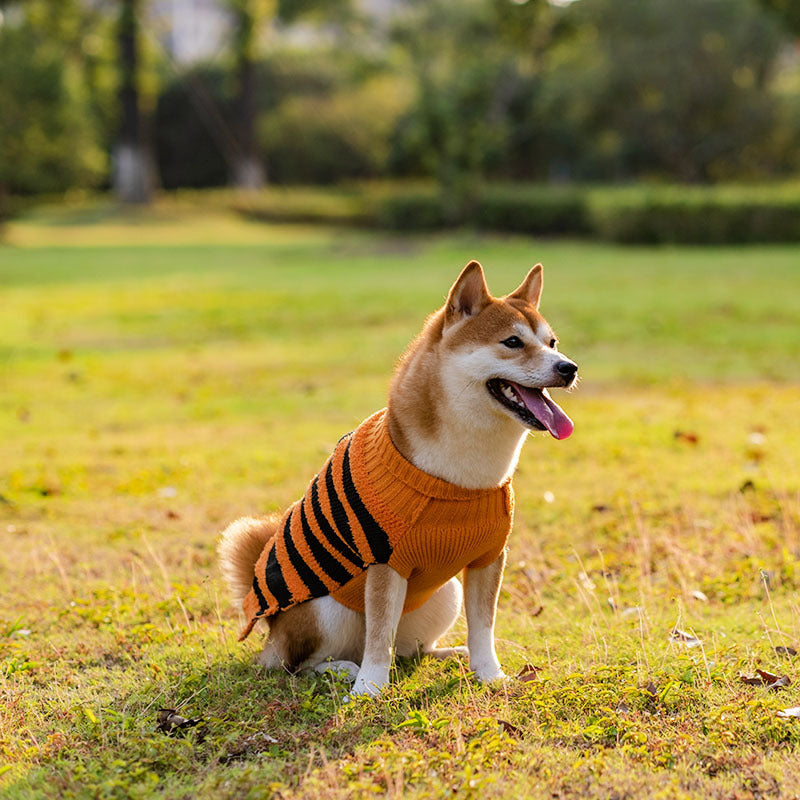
(379, 452)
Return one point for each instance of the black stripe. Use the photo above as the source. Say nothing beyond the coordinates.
(262, 601)
(327, 563)
(376, 536)
(310, 578)
(328, 532)
(273, 577)
(340, 521)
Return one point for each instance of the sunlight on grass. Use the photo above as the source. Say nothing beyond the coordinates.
(151, 394)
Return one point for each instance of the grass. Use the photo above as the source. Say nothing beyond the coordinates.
(164, 372)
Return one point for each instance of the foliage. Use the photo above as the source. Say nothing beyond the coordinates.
(704, 216)
(192, 131)
(635, 107)
(338, 136)
(645, 213)
(48, 139)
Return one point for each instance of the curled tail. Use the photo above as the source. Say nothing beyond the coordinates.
(239, 548)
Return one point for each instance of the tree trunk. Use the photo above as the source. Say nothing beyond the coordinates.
(248, 168)
(133, 170)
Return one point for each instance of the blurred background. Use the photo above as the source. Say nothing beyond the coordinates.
(504, 114)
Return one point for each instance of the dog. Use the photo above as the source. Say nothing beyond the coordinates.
(364, 565)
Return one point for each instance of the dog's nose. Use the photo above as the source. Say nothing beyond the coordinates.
(567, 370)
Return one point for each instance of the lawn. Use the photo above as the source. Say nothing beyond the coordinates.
(162, 373)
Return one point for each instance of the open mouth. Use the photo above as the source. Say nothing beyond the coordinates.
(534, 407)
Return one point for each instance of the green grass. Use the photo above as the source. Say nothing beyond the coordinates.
(162, 373)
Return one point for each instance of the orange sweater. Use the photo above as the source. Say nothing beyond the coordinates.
(369, 505)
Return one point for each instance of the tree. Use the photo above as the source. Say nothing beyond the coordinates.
(249, 16)
(49, 138)
(788, 11)
(655, 87)
(472, 63)
(133, 171)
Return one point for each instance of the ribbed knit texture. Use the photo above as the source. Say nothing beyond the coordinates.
(369, 505)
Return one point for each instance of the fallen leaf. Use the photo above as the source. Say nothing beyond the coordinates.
(768, 679)
(773, 681)
(794, 711)
(173, 514)
(529, 673)
(751, 680)
(684, 638)
(687, 436)
(651, 689)
(782, 650)
(509, 728)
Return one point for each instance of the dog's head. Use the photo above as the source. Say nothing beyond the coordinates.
(501, 352)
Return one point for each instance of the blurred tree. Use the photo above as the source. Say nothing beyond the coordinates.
(788, 11)
(133, 169)
(49, 138)
(249, 19)
(472, 63)
(651, 86)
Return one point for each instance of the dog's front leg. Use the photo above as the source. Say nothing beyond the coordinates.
(384, 596)
(481, 587)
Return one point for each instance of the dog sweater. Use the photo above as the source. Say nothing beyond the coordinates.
(369, 505)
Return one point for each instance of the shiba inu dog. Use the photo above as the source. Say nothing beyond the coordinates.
(364, 564)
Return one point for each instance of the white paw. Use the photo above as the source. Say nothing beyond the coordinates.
(488, 672)
(370, 681)
(349, 669)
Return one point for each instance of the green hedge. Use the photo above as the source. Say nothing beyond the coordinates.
(556, 210)
(640, 214)
(699, 215)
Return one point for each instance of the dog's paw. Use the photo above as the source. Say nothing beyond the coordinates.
(369, 682)
(346, 668)
(488, 672)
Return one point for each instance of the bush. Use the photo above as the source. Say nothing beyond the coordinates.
(532, 209)
(713, 215)
(193, 128)
(412, 209)
(344, 135)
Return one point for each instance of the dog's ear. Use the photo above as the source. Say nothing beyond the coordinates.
(468, 295)
(530, 290)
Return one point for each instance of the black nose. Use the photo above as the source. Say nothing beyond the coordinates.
(566, 369)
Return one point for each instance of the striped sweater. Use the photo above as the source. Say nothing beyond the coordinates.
(369, 505)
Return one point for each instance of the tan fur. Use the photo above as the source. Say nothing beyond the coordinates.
(239, 547)
(445, 423)
(295, 636)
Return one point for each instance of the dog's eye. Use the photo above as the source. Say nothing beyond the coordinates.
(513, 342)
(553, 344)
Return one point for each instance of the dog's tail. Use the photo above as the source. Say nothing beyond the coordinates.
(239, 547)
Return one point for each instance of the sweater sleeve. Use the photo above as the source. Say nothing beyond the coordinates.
(498, 541)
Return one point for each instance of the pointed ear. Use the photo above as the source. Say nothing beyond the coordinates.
(530, 290)
(468, 295)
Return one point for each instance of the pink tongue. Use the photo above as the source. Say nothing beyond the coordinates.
(546, 411)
